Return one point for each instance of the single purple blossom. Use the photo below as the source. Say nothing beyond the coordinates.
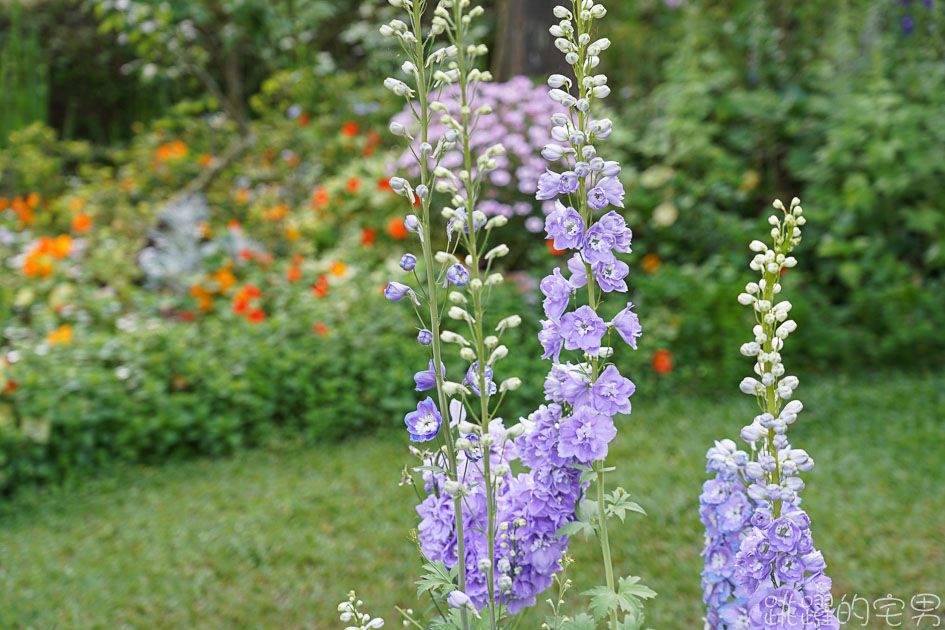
(427, 378)
(617, 226)
(568, 183)
(565, 226)
(610, 276)
(578, 269)
(424, 423)
(551, 340)
(611, 392)
(628, 326)
(585, 435)
(598, 245)
(557, 292)
(582, 329)
(424, 337)
(408, 262)
(613, 191)
(783, 534)
(395, 292)
(548, 185)
(597, 198)
(457, 275)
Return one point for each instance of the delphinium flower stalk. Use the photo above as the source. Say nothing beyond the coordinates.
(465, 477)
(588, 393)
(777, 573)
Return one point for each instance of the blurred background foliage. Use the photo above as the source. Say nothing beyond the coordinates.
(195, 225)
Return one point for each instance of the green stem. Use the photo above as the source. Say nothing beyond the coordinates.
(605, 539)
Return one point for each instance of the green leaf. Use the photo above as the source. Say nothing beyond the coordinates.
(603, 601)
(618, 502)
(577, 527)
(436, 578)
(630, 587)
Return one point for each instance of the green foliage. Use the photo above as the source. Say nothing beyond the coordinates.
(23, 85)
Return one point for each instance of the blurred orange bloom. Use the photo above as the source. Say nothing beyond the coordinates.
(76, 204)
(256, 316)
(383, 183)
(60, 336)
(651, 263)
(37, 264)
(293, 273)
(276, 213)
(242, 195)
(203, 296)
(304, 120)
(397, 229)
(4, 203)
(320, 328)
(291, 233)
(551, 248)
(170, 151)
(32, 200)
(206, 160)
(663, 361)
(320, 288)
(320, 198)
(339, 268)
(368, 236)
(349, 129)
(225, 279)
(81, 223)
(353, 185)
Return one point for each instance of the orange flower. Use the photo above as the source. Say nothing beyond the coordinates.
(339, 268)
(170, 151)
(320, 328)
(246, 254)
(128, 184)
(350, 129)
(397, 229)
(11, 387)
(4, 203)
(37, 264)
(240, 304)
(251, 291)
(81, 223)
(76, 205)
(551, 248)
(242, 195)
(368, 236)
(60, 336)
(256, 316)
(320, 198)
(60, 246)
(320, 288)
(353, 185)
(276, 213)
(383, 183)
(293, 273)
(32, 200)
(234, 225)
(206, 160)
(203, 296)
(225, 279)
(23, 211)
(651, 263)
(291, 233)
(304, 120)
(662, 361)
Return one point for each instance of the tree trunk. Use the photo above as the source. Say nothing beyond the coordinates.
(523, 43)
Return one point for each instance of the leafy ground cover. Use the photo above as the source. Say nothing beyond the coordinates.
(273, 538)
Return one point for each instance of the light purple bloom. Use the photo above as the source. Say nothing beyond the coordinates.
(613, 191)
(427, 379)
(627, 325)
(408, 262)
(578, 270)
(424, 337)
(565, 226)
(395, 292)
(557, 292)
(551, 340)
(783, 534)
(582, 329)
(585, 435)
(548, 186)
(457, 275)
(611, 392)
(568, 182)
(599, 244)
(424, 423)
(616, 225)
(610, 276)
(597, 198)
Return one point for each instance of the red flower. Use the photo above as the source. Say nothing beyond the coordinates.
(320, 288)
(551, 248)
(349, 129)
(246, 254)
(353, 185)
(320, 328)
(11, 387)
(663, 361)
(397, 229)
(251, 291)
(293, 273)
(368, 236)
(256, 316)
(187, 315)
(383, 183)
(304, 120)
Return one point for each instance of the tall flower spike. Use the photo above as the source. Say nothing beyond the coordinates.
(762, 569)
(585, 391)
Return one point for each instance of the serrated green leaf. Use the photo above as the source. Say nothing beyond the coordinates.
(631, 587)
(577, 527)
(581, 622)
(436, 578)
(603, 601)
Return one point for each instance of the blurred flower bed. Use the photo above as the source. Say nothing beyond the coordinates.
(172, 295)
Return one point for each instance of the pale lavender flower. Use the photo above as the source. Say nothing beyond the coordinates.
(611, 392)
(585, 435)
(582, 329)
(627, 325)
(427, 378)
(565, 226)
(599, 245)
(610, 276)
(395, 292)
(550, 339)
(557, 292)
(424, 423)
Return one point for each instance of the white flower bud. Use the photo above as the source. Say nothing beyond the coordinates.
(750, 349)
(497, 252)
(750, 386)
(467, 428)
(499, 353)
(512, 321)
(445, 258)
(456, 312)
(463, 444)
(448, 336)
(598, 11)
(475, 284)
(456, 297)
(510, 385)
(746, 299)
(467, 354)
(757, 246)
(562, 13)
(495, 278)
(786, 329)
(451, 388)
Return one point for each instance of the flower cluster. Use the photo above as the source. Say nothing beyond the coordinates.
(518, 111)
(352, 615)
(777, 573)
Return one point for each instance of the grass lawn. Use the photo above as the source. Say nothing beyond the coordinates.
(275, 538)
